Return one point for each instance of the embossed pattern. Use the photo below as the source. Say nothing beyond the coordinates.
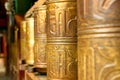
(40, 37)
(62, 42)
(98, 60)
(62, 62)
(62, 19)
(98, 40)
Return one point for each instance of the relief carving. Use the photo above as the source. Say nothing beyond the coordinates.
(40, 37)
(107, 4)
(62, 62)
(99, 63)
(41, 23)
(110, 71)
(101, 12)
(40, 53)
(62, 21)
(103, 7)
(40, 20)
(98, 40)
(86, 63)
(61, 45)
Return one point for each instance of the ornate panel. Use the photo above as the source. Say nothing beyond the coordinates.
(62, 61)
(62, 19)
(40, 52)
(62, 42)
(97, 12)
(98, 60)
(40, 20)
(40, 37)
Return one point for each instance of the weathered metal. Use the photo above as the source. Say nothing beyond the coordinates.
(62, 40)
(98, 39)
(30, 41)
(40, 38)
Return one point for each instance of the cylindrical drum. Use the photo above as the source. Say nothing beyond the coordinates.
(40, 38)
(62, 41)
(99, 39)
(23, 40)
(30, 41)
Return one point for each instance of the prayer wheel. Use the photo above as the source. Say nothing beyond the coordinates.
(23, 40)
(30, 41)
(40, 38)
(98, 39)
(61, 40)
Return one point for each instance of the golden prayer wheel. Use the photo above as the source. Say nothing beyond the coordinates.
(23, 40)
(30, 41)
(62, 40)
(40, 38)
(99, 39)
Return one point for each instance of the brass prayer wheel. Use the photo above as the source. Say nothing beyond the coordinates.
(61, 40)
(23, 40)
(40, 38)
(98, 39)
(30, 41)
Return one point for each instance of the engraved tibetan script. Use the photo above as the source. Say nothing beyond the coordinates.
(63, 22)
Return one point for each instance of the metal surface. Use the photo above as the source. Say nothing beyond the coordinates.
(23, 49)
(30, 41)
(40, 37)
(62, 41)
(98, 39)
